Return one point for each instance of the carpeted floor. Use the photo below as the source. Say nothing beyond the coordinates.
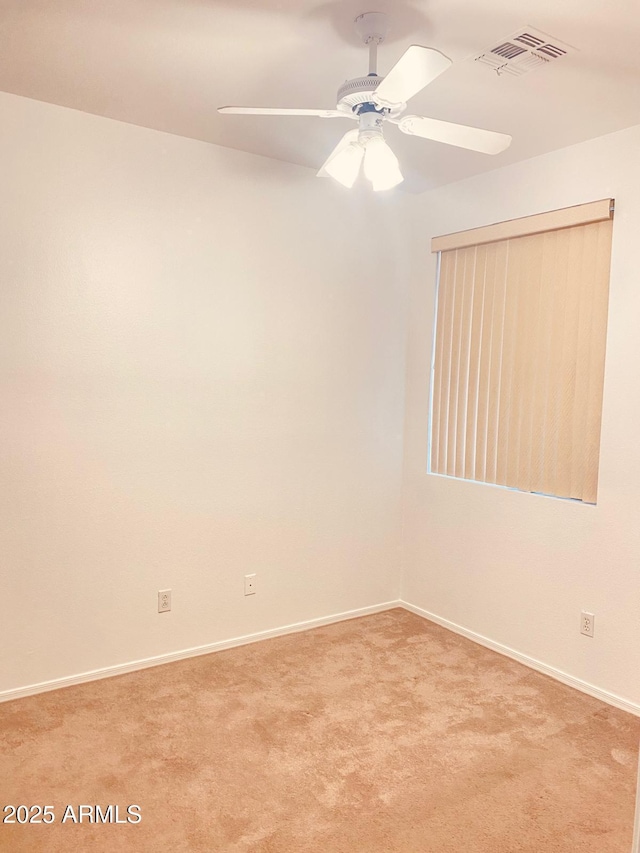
(385, 734)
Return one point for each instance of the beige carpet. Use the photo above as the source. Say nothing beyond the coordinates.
(385, 734)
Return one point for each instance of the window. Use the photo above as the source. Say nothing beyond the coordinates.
(518, 368)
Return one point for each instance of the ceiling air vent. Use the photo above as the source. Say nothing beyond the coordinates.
(525, 50)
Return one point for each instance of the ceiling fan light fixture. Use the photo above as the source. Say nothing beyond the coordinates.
(374, 100)
(381, 165)
(345, 166)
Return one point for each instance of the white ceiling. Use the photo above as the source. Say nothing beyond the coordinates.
(167, 64)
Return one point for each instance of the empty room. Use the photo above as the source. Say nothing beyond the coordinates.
(319, 407)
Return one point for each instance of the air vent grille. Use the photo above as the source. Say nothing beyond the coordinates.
(529, 40)
(523, 51)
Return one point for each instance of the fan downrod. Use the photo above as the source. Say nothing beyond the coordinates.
(372, 29)
(356, 96)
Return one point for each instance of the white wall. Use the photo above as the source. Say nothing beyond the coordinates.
(201, 376)
(516, 568)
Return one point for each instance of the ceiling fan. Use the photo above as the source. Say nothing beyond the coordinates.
(372, 100)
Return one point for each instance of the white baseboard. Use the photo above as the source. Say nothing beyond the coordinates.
(532, 663)
(132, 666)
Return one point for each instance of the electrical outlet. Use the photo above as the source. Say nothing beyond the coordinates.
(250, 584)
(587, 623)
(164, 600)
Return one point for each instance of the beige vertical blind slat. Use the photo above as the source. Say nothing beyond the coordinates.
(446, 367)
(579, 437)
(447, 272)
(495, 361)
(474, 361)
(562, 285)
(511, 397)
(521, 317)
(519, 361)
(566, 450)
(456, 343)
(509, 347)
(485, 361)
(596, 366)
(467, 258)
(542, 359)
(527, 363)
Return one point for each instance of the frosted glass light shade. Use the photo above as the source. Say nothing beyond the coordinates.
(381, 165)
(344, 167)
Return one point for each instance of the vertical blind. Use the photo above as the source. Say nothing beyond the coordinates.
(519, 352)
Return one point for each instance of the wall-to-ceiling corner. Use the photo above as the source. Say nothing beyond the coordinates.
(201, 372)
(510, 569)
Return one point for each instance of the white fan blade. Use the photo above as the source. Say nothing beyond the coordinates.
(473, 138)
(417, 67)
(343, 152)
(265, 111)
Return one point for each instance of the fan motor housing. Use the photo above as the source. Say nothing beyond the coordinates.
(360, 90)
